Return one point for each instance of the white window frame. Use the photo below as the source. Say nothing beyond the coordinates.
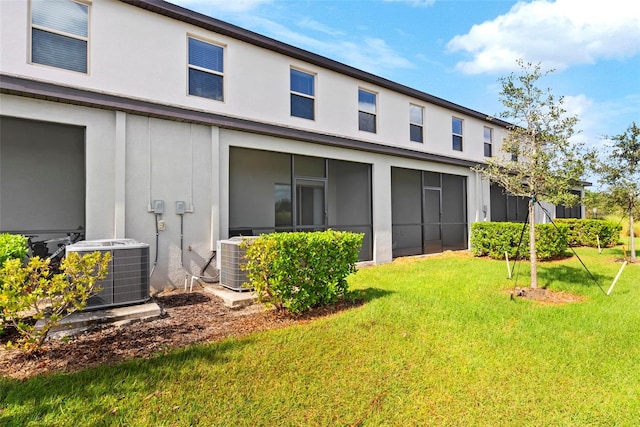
(460, 135)
(374, 114)
(304, 95)
(488, 143)
(86, 39)
(420, 125)
(207, 70)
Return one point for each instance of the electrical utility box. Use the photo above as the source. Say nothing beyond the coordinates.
(127, 282)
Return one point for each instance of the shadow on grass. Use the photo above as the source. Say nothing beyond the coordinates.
(572, 275)
(619, 254)
(354, 298)
(93, 396)
(108, 393)
(369, 294)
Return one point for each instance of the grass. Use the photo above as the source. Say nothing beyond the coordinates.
(439, 342)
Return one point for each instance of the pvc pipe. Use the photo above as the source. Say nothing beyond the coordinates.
(506, 256)
(617, 277)
(155, 260)
(598, 239)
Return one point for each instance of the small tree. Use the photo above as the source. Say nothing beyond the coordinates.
(621, 172)
(32, 290)
(538, 161)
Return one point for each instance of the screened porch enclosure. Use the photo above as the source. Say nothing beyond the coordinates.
(279, 192)
(42, 178)
(574, 211)
(505, 207)
(429, 212)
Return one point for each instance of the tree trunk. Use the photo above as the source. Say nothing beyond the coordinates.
(533, 255)
(632, 244)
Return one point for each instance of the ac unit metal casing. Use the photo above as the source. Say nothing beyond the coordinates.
(127, 281)
(231, 257)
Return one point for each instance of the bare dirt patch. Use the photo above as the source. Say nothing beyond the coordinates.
(189, 318)
(545, 296)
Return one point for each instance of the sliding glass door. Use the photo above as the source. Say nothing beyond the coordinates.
(311, 206)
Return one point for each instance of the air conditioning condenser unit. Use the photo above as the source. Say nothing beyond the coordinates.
(127, 281)
(231, 257)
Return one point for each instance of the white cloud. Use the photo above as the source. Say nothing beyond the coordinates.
(577, 105)
(311, 24)
(369, 53)
(372, 55)
(558, 34)
(225, 5)
(277, 31)
(601, 120)
(589, 128)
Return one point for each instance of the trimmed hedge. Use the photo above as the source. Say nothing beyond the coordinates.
(583, 232)
(12, 246)
(298, 271)
(493, 239)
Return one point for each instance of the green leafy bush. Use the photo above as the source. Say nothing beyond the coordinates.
(298, 271)
(31, 291)
(12, 246)
(493, 239)
(586, 232)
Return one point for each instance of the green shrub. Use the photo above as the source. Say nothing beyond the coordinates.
(586, 232)
(31, 291)
(551, 241)
(493, 239)
(12, 246)
(298, 271)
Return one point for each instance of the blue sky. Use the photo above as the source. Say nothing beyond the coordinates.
(458, 49)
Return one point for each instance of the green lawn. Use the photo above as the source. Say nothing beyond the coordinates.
(439, 342)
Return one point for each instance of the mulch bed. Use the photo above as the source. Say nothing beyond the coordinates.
(189, 318)
(545, 296)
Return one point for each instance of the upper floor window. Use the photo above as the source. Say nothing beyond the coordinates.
(367, 111)
(514, 154)
(488, 141)
(302, 94)
(206, 68)
(456, 131)
(416, 115)
(60, 34)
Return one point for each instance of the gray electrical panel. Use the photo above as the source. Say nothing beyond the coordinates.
(158, 206)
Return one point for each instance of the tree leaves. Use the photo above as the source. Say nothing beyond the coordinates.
(538, 159)
(34, 291)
